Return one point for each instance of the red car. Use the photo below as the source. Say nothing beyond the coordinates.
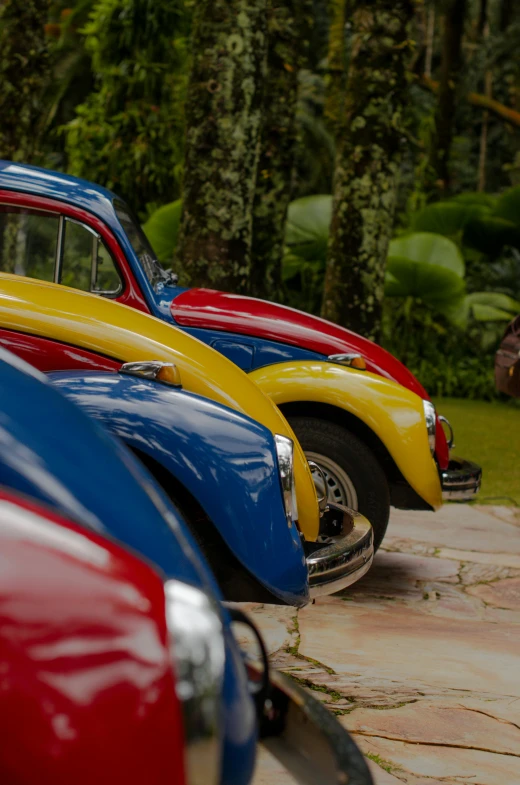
(108, 675)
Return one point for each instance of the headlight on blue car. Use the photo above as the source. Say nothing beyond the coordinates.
(431, 423)
(285, 453)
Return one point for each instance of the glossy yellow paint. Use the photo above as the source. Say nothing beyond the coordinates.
(394, 413)
(127, 335)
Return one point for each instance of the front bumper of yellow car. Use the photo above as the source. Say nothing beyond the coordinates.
(343, 553)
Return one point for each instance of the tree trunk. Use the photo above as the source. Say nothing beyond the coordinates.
(333, 109)
(223, 119)
(451, 65)
(24, 68)
(488, 89)
(430, 37)
(288, 33)
(367, 165)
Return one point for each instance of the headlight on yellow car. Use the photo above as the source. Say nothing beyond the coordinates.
(285, 453)
(431, 423)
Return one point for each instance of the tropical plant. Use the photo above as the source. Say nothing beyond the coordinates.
(479, 221)
(162, 230)
(306, 239)
(24, 66)
(128, 134)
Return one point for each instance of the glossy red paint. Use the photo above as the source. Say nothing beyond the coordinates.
(216, 310)
(47, 355)
(131, 294)
(88, 693)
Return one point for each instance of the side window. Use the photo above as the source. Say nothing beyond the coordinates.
(86, 263)
(28, 242)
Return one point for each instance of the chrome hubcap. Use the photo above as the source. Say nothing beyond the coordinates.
(340, 488)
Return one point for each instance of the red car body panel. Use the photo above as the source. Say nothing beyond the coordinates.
(211, 309)
(88, 693)
(131, 294)
(47, 355)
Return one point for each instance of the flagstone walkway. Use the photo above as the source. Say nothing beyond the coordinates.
(421, 659)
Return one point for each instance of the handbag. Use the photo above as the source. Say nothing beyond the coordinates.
(507, 361)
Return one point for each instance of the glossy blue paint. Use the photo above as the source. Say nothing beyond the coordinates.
(50, 450)
(226, 460)
(247, 352)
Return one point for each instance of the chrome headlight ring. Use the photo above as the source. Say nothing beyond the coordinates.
(285, 453)
(198, 653)
(431, 423)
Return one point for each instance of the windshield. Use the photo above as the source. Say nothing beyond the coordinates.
(153, 269)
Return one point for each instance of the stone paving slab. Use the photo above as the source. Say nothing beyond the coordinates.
(420, 659)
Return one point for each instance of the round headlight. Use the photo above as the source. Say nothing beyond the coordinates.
(431, 423)
(285, 453)
(198, 651)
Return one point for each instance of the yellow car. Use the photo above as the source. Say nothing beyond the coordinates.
(55, 328)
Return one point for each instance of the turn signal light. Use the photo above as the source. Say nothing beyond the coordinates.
(166, 373)
(350, 360)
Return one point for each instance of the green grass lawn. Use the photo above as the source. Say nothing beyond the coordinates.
(489, 434)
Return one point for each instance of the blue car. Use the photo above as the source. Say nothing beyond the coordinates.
(221, 469)
(51, 451)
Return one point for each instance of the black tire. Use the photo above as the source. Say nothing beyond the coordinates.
(356, 460)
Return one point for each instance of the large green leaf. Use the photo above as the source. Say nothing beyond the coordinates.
(475, 198)
(446, 218)
(308, 224)
(433, 284)
(484, 307)
(487, 313)
(162, 229)
(508, 206)
(425, 248)
(497, 301)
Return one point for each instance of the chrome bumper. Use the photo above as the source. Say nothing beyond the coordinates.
(344, 553)
(308, 740)
(461, 480)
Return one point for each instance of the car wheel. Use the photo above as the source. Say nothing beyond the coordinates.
(352, 472)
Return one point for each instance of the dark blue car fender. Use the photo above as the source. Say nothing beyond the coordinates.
(226, 461)
(51, 451)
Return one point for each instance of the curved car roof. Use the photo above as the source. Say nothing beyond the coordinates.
(56, 185)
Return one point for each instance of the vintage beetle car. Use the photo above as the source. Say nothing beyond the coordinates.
(95, 645)
(351, 427)
(224, 469)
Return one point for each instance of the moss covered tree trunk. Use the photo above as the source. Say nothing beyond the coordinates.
(367, 165)
(451, 65)
(24, 69)
(289, 24)
(223, 118)
(333, 109)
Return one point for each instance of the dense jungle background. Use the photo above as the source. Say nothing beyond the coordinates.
(359, 159)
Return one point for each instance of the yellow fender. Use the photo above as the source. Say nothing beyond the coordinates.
(124, 334)
(392, 412)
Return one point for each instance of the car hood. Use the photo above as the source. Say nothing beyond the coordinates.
(211, 309)
(121, 333)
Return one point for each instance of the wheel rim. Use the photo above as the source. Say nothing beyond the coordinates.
(340, 488)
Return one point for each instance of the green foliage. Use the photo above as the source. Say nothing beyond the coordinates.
(478, 221)
(162, 230)
(307, 227)
(24, 64)
(306, 238)
(128, 134)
